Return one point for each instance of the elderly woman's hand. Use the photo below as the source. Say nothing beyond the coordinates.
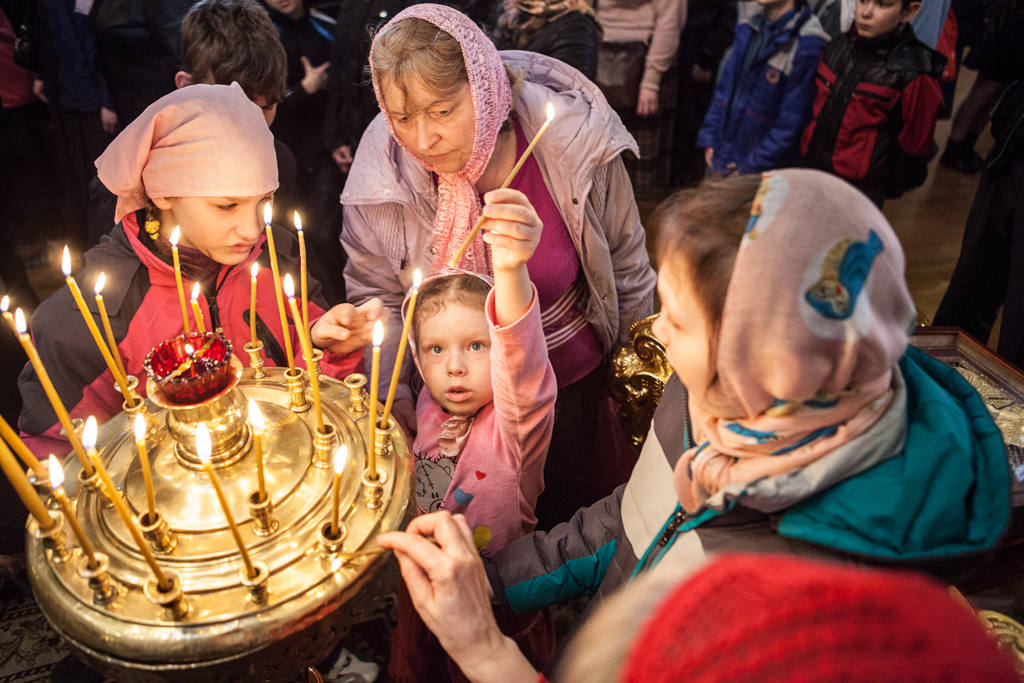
(346, 328)
(449, 589)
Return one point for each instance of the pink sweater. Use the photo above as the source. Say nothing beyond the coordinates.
(496, 479)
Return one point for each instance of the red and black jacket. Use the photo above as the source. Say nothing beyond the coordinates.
(874, 112)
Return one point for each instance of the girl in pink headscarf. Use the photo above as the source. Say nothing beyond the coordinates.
(452, 125)
(201, 158)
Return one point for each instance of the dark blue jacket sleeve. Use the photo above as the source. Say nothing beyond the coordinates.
(711, 130)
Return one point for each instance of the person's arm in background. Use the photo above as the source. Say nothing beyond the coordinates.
(669, 18)
(711, 130)
(921, 102)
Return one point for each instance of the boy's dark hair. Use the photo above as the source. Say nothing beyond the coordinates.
(235, 40)
(462, 288)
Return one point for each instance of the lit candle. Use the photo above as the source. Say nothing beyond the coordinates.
(378, 339)
(147, 475)
(258, 425)
(175, 236)
(5, 304)
(57, 484)
(196, 311)
(203, 451)
(76, 293)
(307, 351)
(267, 214)
(253, 272)
(302, 268)
(339, 465)
(97, 291)
(110, 491)
(508, 181)
(30, 460)
(24, 488)
(417, 280)
(51, 392)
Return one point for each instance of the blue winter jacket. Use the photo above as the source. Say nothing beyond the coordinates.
(756, 118)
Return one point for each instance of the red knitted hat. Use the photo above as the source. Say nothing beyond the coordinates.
(775, 617)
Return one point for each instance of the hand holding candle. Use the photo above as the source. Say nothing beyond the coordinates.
(197, 312)
(417, 280)
(340, 456)
(57, 484)
(371, 443)
(203, 449)
(253, 273)
(267, 215)
(258, 426)
(147, 474)
(550, 111)
(175, 236)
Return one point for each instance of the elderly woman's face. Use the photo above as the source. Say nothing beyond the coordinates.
(438, 129)
(224, 228)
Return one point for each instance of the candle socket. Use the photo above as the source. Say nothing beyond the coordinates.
(54, 538)
(139, 407)
(331, 544)
(318, 355)
(257, 584)
(93, 484)
(157, 532)
(356, 385)
(383, 438)
(296, 382)
(373, 489)
(172, 600)
(255, 358)
(323, 446)
(262, 514)
(104, 590)
(42, 486)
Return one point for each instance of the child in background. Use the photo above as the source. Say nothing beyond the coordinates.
(877, 101)
(763, 95)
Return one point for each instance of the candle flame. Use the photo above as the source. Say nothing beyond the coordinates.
(195, 292)
(550, 111)
(56, 473)
(5, 303)
(19, 321)
(101, 280)
(89, 433)
(297, 220)
(256, 417)
(268, 213)
(340, 456)
(140, 428)
(65, 261)
(417, 278)
(189, 350)
(203, 444)
(378, 333)
(254, 271)
(289, 286)
(175, 235)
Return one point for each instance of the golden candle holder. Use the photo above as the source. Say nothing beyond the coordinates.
(53, 539)
(172, 600)
(41, 484)
(138, 407)
(331, 544)
(318, 355)
(356, 383)
(89, 483)
(323, 446)
(373, 488)
(264, 523)
(157, 532)
(382, 438)
(296, 380)
(104, 590)
(254, 350)
(257, 584)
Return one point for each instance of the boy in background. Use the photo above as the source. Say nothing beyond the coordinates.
(763, 95)
(877, 101)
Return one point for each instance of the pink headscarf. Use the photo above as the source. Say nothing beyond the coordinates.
(815, 318)
(198, 141)
(458, 206)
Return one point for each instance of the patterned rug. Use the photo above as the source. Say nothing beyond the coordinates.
(28, 646)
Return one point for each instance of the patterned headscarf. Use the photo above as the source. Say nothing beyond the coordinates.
(816, 316)
(458, 206)
(198, 141)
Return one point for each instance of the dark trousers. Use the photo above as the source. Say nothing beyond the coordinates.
(990, 271)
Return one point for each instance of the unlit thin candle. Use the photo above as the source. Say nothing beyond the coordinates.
(417, 280)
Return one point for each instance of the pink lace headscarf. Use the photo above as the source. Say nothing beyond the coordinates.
(816, 316)
(458, 206)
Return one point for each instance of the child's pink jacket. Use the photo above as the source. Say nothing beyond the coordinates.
(498, 475)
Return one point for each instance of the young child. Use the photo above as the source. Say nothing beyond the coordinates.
(877, 101)
(201, 158)
(763, 95)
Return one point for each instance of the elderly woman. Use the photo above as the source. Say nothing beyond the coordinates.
(452, 125)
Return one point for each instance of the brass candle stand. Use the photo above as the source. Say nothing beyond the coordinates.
(300, 602)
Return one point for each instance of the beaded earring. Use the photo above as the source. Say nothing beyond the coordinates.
(152, 228)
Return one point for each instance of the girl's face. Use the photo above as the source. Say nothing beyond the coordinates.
(683, 327)
(224, 228)
(453, 348)
(439, 130)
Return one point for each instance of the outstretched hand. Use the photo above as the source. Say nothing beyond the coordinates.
(512, 228)
(346, 328)
(449, 589)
